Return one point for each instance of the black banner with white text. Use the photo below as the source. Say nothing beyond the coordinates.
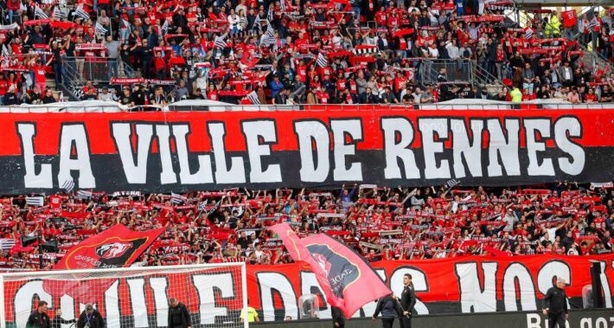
(182, 151)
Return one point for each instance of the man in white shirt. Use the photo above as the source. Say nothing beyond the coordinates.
(453, 51)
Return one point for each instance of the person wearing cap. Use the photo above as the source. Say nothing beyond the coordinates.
(178, 314)
(90, 318)
(555, 304)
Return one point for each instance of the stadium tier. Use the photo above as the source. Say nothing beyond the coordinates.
(304, 52)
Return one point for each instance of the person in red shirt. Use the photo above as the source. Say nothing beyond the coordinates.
(212, 93)
(89, 87)
(39, 73)
(380, 16)
(160, 65)
(55, 202)
(590, 97)
(14, 10)
(340, 82)
(321, 95)
(4, 86)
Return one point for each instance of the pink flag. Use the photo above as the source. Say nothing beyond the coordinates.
(346, 279)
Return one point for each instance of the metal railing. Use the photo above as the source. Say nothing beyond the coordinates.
(456, 70)
(77, 71)
(465, 104)
(483, 76)
(93, 69)
(593, 57)
(85, 107)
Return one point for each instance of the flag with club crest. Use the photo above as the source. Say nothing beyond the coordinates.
(346, 278)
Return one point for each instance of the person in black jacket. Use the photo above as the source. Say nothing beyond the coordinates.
(39, 318)
(338, 318)
(408, 300)
(390, 309)
(90, 318)
(555, 304)
(178, 315)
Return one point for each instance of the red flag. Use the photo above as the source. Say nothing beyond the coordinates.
(115, 247)
(346, 279)
(569, 18)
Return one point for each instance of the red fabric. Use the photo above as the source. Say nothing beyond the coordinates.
(356, 282)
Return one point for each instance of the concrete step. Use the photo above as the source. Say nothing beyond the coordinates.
(493, 88)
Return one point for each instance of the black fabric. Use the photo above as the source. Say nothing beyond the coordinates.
(38, 320)
(555, 301)
(179, 316)
(93, 320)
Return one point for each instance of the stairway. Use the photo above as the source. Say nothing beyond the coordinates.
(50, 82)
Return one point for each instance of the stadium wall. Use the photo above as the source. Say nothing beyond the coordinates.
(598, 318)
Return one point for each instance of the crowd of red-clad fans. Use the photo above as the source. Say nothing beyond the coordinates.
(380, 223)
(299, 51)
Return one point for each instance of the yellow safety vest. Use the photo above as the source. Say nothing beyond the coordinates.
(516, 95)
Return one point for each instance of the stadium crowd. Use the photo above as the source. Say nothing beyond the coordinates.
(288, 52)
(381, 223)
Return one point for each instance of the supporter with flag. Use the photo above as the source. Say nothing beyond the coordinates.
(342, 274)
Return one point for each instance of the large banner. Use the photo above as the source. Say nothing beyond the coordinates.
(454, 285)
(210, 150)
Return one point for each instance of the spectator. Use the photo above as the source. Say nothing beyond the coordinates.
(516, 94)
(106, 94)
(179, 316)
(91, 318)
(11, 98)
(49, 98)
(182, 91)
(39, 318)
